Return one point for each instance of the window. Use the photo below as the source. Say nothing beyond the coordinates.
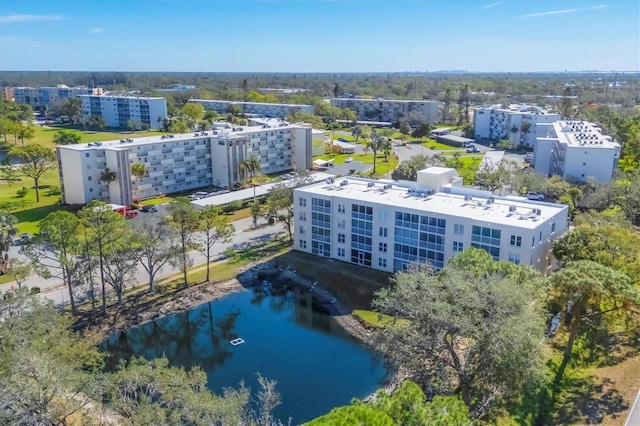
(303, 216)
(516, 240)
(341, 208)
(341, 224)
(553, 227)
(341, 238)
(382, 262)
(458, 229)
(383, 232)
(303, 244)
(341, 252)
(533, 242)
(87, 154)
(302, 231)
(303, 202)
(382, 247)
(540, 239)
(458, 246)
(515, 258)
(89, 178)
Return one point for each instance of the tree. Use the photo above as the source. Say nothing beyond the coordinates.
(6, 226)
(65, 137)
(73, 109)
(184, 218)
(356, 132)
(463, 329)
(138, 170)
(336, 90)
(57, 248)
(446, 105)
(216, 227)
(6, 127)
(107, 175)
(155, 247)
(26, 131)
(256, 210)
(566, 103)
(34, 161)
(423, 130)
(408, 170)
(193, 111)
(179, 126)
(404, 126)
(375, 144)
(590, 292)
(250, 165)
(104, 227)
(120, 261)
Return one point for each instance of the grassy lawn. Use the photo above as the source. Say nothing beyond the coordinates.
(431, 144)
(375, 319)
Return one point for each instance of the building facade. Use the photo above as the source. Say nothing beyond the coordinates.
(257, 108)
(47, 96)
(576, 150)
(387, 226)
(389, 110)
(177, 163)
(515, 123)
(118, 110)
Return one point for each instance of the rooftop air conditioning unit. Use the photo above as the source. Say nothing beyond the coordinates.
(512, 209)
(372, 184)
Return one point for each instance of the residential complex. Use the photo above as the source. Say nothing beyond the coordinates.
(515, 123)
(575, 149)
(387, 226)
(119, 111)
(46, 96)
(389, 110)
(257, 108)
(179, 162)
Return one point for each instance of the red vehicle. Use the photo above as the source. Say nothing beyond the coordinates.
(124, 211)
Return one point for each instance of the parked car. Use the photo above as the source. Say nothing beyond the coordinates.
(348, 159)
(342, 140)
(528, 158)
(474, 149)
(537, 196)
(149, 209)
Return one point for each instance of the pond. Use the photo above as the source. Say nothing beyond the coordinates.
(288, 337)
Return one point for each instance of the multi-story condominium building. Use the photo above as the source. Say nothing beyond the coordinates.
(575, 149)
(118, 110)
(47, 96)
(176, 163)
(387, 226)
(389, 110)
(515, 123)
(257, 108)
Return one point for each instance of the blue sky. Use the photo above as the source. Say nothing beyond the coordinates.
(320, 35)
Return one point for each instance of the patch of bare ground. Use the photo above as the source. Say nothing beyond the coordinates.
(619, 385)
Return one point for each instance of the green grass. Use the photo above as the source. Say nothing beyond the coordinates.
(375, 319)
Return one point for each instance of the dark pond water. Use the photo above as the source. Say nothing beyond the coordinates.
(288, 337)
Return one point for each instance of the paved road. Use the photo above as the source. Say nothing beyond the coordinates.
(633, 418)
(54, 289)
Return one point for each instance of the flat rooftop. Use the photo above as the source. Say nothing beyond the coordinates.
(582, 134)
(513, 211)
(219, 133)
(405, 101)
(247, 103)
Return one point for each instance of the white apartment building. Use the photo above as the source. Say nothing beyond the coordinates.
(389, 110)
(257, 108)
(575, 149)
(118, 110)
(177, 163)
(516, 123)
(47, 96)
(387, 226)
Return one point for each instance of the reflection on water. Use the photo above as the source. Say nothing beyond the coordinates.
(289, 337)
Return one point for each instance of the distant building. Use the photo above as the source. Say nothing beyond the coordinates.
(7, 93)
(118, 110)
(179, 162)
(266, 91)
(575, 149)
(387, 226)
(46, 96)
(515, 123)
(389, 110)
(257, 108)
(176, 88)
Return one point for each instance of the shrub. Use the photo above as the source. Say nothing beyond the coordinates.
(22, 192)
(54, 190)
(34, 290)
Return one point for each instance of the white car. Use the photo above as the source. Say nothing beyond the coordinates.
(537, 196)
(348, 159)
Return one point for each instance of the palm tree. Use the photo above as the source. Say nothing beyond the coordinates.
(375, 144)
(138, 170)
(250, 165)
(107, 175)
(356, 132)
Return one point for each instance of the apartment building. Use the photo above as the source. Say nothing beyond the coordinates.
(389, 110)
(256, 108)
(575, 149)
(118, 110)
(177, 163)
(516, 123)
(47, 96)
(387, 226)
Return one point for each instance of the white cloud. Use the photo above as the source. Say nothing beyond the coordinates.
(96, 30)
(28, 18)
(562, 11)
(489, 6)
(18, 42)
